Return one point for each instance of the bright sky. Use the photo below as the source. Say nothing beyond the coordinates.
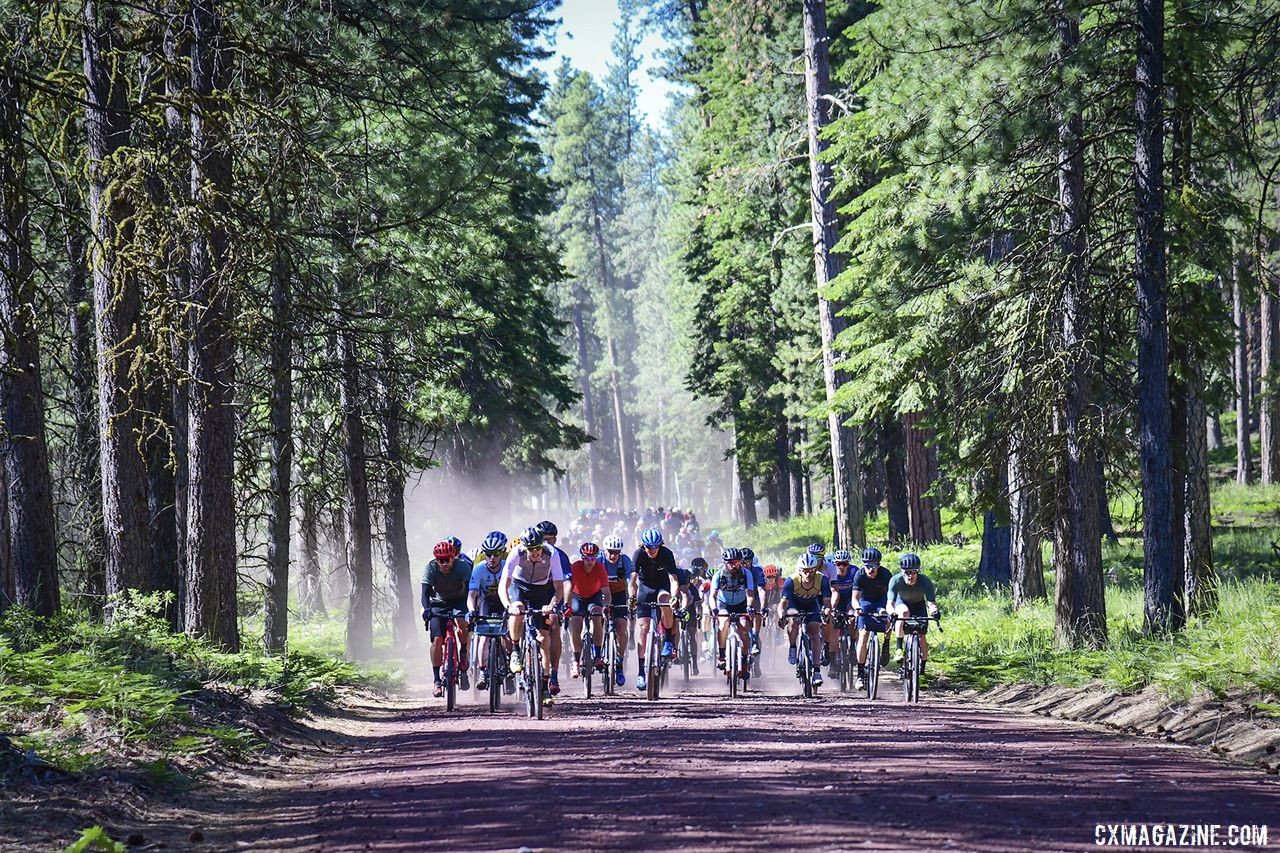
(585, 36)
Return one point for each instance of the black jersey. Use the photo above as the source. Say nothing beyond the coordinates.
(655, 572)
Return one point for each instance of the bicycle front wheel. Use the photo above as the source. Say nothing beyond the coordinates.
(611, 662)
(909, 683)
(585, 662)
(450, 671)
(873, 666)
(732, 665)
(495, 673)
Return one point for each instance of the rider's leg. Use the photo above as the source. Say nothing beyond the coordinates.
(464, 648)
(516, 629)
(575, 635)
(597, 625)
(642, 639)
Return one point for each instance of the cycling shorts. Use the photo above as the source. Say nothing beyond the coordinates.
(867, 618)
(619, 607)
(442, 613)
(645, 596)
(491, 607)
(726, 609)
(811, 610)
(580, 606)
(919, 609)
(535, 597)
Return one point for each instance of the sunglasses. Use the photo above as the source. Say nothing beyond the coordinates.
(653, 548)
(611, 552)
(444, 561)
(536, 549)
(911, 572)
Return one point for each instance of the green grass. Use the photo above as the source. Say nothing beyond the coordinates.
(86, 696)
(1235, 650)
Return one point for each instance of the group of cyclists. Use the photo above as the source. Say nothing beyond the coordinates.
(531, 577)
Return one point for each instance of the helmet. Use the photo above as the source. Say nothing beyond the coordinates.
(613, 543)
(730, 554)
(714, 534)
(871, 556)
(699, 563)
(494, 543)
(909, 561)
(651, 538)
(443, 550)
(589, 549)
(530, 537)
(748, 555)
(817, 549)
(457, 545)
(546, 528)
(842, 556)
(807, 561)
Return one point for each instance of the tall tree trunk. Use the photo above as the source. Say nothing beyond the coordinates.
(312, 595)
(275, 631)
(404, 621)
(1080, 612)
(1243, 377)
(161, 496)
(84, 403)
(8, 583)
(210, 601)
(1268, 417)
(922, 474)
(897, 502)
(588, 404)
(846, 467)
(1200, 582)
(746, 494)
(1213, 428)
(359, 521)
(1153, 328)
(796, 470)
(1026, 562)
(116, 304)
(1178, 438)
(995, 569)
(1105, 524)
(30, 545)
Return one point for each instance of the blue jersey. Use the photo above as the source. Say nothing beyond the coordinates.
(843, 586)
(485, 580)
(802, 596)
(757, 574)
(732, 588)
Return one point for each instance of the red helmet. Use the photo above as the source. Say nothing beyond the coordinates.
(444, 550)
(589, 549)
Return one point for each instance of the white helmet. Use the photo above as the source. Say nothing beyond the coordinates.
(807, 561)
(613, 543)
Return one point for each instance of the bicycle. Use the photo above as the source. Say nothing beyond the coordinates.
(586, 662)
(804, 658)
(913, 627)
(612, 651)
(736, 656)
(687, 663)
(875, 626)
(846, 651)
(658, 664)
(495, 629)
(532, 688)
(452, 660)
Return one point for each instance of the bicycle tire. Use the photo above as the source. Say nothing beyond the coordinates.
(686, 651)
(495, 668)
(451, 664)
(586, 663)
(611, 662)
(908, 680)
(651, 685)
(802, 665)
(873, 666)
(733, 663)
(537, 691)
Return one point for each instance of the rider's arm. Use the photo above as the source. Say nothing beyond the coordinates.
(928, 589)
(504, 580)
(427, 592)
(608, 592)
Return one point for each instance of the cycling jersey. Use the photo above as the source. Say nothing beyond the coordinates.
(587, 582)
(806, 596)
(533, 573)
(732, 587)
(771, 575)
(485, 581)
(873, 591)
(445, 589)
(842, 587)
(828, 567)
(619, 574)
(901, 592)
(757, 573)
(655, 572)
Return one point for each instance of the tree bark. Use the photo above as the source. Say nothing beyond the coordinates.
(31, 546)
(846, 490)
(796, 488)
(275, 632)
(1153, 328)
(359, 522)
(1200, 587)
(746, 494)
(210, 596)
(995, 570)
(116, 304)
(1105, 524)
(1026, 562)
(1243, 378)
(1080, 611)
(404, 622)
(8, 588)
(921, 475)
(896, 500)
(588, 404)
(1268, 418)
(312, 595)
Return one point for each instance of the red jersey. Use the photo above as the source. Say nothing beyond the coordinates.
(587, 583)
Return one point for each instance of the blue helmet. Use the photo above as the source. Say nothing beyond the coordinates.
(807, 560)
(651, 538)
(547, 528)
(747, 554)
(817, 549)
(842, 556)
(494, 543)
(909, 562)
(871, 556)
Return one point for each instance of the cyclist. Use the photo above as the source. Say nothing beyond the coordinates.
(841, 604)
(444, 597)
(911, 593)
(482, 595)
(549, 536)
(459, 554)
(732, 591)
(825, 563)
(802, 595)
(531, 580)
(870, 596)
(590, 585)
(620, 569)
(655, 580)
(752, 565)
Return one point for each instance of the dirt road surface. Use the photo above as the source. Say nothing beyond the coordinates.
(771, 771)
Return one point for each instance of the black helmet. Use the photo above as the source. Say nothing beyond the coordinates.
(871, 556)
(748, 555)
(909, 561)
(699, 563)
(730, 554)
(546, 528)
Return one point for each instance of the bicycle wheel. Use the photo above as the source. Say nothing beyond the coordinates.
(611, 660)
(686, 651)
(537, 693)
(495, 673)
(450, 670)
(842, 662)
(653, 687)
(873, 666)
(909, 677)
(585, 662)
(732, 661)
(804, 663)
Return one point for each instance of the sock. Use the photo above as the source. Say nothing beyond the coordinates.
(435, 671)
(641, 662)
(791, 646)
(899, 642)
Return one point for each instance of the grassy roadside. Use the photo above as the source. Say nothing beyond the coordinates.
(1235, 651)
(138, 700)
